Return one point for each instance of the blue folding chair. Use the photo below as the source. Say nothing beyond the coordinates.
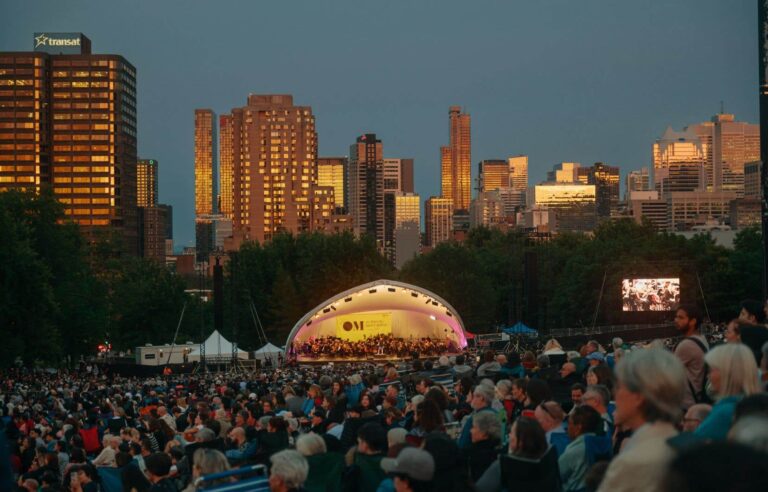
(254, 478)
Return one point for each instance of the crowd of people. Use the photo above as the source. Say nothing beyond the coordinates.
(627, 417)
(389, 346)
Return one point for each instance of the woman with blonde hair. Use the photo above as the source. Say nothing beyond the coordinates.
(732, 376)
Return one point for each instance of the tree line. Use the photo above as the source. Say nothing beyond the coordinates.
(62, 296)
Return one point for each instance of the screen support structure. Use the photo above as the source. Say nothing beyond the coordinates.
(762, 24)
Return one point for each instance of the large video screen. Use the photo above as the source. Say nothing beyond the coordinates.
(650, 294)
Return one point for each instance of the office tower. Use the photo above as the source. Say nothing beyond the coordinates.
(734, 144)
(323, 207)
(406, 175)
(366, 187)
(205, 162)
(493, 174)
(210, 233)
(574, 204)
(146, 183)
(512, 199)
(438, 215)
(274, 153)
(650, 208)
(486, 210)
(401, 218)
(68, 120)
(606, 181)
(151, 217)
(678, 151)
(686, 209)
(226, 166)
(679, 177)
(166, 212)
(518, 172)
(330, 172)
(564, 172)
(391, 175)
(752, 180)
(638, 180)
(456, 160)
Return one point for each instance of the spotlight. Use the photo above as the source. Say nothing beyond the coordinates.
(428, 301)
(434, 303)
(391, 289)
(333, 307)
(414, 294)
(348, 299)
(372, 291)
(432, 317)
(327, 310)
(309, 322)
(449, 314)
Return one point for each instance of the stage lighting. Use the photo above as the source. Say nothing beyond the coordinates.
(309, 322)
(372, 291)
(428, 301)
(333, 307)
(391, 289)
(414, 294)
(348, 299)
(434, 303)
(432, 317)
(327, 310)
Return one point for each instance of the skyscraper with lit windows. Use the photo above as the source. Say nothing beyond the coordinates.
(68, 121)
(226, 166)
(456, 160)
(146, 183)
(274, 154)
(205, 161)
(330, 172)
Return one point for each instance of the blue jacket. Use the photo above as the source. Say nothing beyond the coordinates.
(719, 420)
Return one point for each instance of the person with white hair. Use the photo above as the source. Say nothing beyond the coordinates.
(325, 469)
(107, 455)
(486, 437)
(289, 471)
(733, 375)
(482, 400)
(649, 396)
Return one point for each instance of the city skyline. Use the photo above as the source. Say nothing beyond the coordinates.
(613, 116)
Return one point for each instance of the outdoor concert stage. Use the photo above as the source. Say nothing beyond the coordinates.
(379, 310)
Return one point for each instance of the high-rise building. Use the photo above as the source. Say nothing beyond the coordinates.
(518, 172)
(392, 175)
(68, 120)
(734, 144)
(564, 172)
(486, 210)
(639, 180)
(205, 162)
(574, 204)
(456, 160)
(438, 215)
(151, 217)
(330, 172)
(752, 180)
(365, 181)
(493, 174)
(146, 183)
(679, 177)
(722, 146)
(606, 181)
(686, 209)
(274, 153)
(402, 219)
(226, 166)
(406, 175)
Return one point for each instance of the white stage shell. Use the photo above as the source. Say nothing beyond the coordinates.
(406, 310)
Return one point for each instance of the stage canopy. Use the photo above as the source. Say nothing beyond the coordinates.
(382, 307)
(268, 351)
(217, 347)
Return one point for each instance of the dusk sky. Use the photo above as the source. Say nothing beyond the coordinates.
(559, 80)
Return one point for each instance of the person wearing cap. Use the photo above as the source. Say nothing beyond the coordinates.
(412, 470)
(595, 359)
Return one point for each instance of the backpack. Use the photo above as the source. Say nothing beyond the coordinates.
(700, 396)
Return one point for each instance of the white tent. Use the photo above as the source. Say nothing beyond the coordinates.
(217, 347)
(268, 351)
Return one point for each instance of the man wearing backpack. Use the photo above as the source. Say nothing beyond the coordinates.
(691, 351)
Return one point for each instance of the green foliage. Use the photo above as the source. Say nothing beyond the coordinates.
(290, 275)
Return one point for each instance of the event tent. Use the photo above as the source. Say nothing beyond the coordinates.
(217, 347)
(268, 351)
(520, 328)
